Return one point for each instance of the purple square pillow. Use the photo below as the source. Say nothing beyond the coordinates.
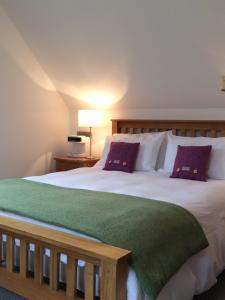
(122, 157)
(191, 162)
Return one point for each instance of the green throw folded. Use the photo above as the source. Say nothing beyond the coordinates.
(161, 236)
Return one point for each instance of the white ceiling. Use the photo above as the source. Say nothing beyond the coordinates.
(145, 53)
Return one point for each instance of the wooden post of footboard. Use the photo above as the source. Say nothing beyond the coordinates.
(41, 277)
(114, 276)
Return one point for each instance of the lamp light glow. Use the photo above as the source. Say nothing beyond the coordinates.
(99, 98)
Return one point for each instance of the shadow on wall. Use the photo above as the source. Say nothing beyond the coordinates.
(34, 120)
(95, 88)
(42, 165)
(15, 46)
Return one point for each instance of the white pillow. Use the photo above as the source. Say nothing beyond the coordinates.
(162, 151)
(148, 150)
(217, 159)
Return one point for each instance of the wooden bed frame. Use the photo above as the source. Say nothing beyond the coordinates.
(111, 260)
(179, 127)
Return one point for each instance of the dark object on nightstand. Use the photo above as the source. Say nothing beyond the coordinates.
(65, 163)
(74, 138)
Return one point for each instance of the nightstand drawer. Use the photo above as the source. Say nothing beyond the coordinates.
(65, 163)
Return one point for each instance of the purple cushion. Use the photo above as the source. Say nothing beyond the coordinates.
(122, 157)
(191, 162)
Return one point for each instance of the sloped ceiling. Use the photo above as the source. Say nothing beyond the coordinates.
(143, 53)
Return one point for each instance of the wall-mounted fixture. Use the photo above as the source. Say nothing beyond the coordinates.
(223, 84)
(89, 118)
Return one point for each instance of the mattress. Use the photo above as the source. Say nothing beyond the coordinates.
(205, 200)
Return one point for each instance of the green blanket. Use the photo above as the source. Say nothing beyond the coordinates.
(161, 236)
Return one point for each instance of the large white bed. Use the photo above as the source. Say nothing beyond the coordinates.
(205, 200)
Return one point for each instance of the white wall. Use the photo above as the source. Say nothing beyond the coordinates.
(159, 59)
(33, 117)
(148, 54)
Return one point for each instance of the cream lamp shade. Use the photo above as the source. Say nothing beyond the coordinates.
(89, 118)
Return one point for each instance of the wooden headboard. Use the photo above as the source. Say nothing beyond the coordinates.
(179, 127)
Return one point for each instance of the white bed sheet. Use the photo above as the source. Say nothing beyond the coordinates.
(205, 200)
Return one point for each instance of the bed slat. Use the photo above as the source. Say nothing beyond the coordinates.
(1, 249)
(54, 269)
(174, 131)
(38, 263)
(71, 276)
(23, 258)
(213, 133)
(9, 253)
(183, 132)
(203, 132)
(89, 281)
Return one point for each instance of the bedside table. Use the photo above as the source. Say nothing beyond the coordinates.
(65, 163)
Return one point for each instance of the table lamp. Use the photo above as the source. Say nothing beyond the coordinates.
(89, 118)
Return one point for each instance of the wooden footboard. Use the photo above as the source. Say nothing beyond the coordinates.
(28, 279)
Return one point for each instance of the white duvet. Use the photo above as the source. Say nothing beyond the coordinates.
(205, 200)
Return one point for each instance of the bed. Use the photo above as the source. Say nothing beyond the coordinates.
(117, 281)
